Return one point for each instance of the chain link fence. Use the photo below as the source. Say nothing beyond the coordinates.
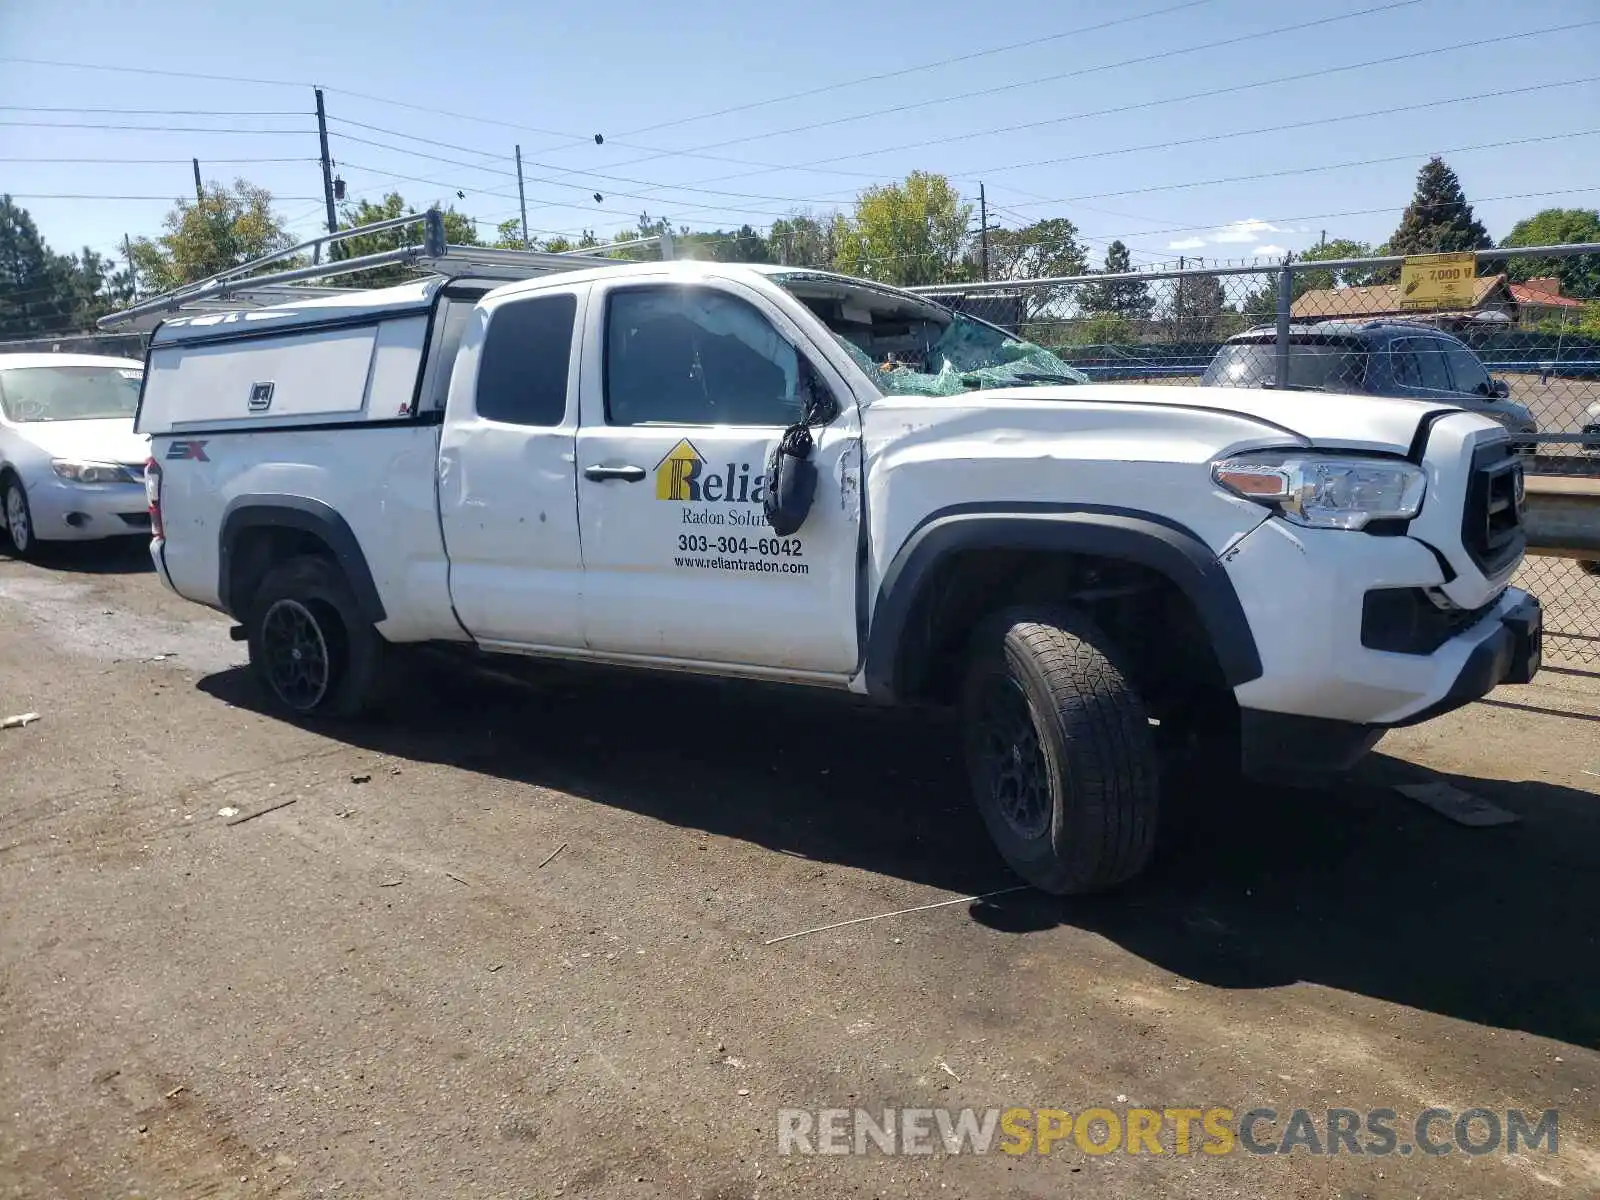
(1518, 339)
(1514, 334)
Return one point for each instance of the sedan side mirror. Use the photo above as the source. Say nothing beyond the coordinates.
(1502, 389)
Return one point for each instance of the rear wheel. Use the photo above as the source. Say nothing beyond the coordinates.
(1059, 750)
(311, 650)
(19, 519)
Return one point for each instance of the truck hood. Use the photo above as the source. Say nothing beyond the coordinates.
(1319, 418)
(111, 440)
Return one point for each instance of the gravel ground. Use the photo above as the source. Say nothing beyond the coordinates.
(390, 989)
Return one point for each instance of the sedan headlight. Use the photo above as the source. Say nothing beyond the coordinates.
(1329, 492)
(90, 472)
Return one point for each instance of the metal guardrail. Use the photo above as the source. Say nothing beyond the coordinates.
(1562, 516)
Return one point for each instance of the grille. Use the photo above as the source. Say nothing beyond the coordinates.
(1491, 526)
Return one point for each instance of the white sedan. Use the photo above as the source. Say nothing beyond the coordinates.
(71, 467)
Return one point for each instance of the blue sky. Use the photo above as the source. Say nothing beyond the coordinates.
(646, 75)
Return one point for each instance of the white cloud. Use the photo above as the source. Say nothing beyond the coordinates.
(1248, 230)
(1270, 251)
(1188, 243)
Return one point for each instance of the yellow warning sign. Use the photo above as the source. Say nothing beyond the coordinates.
(1438, 280)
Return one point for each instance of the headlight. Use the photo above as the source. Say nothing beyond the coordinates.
(1326, 492)
(88, 472)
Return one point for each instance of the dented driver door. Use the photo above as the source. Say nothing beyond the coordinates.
(685, 392)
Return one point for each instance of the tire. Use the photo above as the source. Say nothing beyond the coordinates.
(18, 519)
(1591, 565)
(311, 651)
(1060, 752)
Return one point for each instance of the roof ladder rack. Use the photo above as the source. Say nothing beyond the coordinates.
(435, 256)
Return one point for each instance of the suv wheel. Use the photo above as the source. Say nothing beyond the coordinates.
(311, 651)
(1059, 750)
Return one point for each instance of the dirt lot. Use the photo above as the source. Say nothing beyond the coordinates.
(389, 989)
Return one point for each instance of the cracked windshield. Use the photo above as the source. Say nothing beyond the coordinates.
(910, 346)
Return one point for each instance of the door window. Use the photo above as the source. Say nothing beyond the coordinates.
(1403, 364)
(1431, 364)
(1466, 371)
(522, 373)
(696, 356)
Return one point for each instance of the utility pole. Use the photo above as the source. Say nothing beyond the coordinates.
(1177, 307)
(327, 166)
(133, 272)
(983, 230)
(199, 189)
(522, 201)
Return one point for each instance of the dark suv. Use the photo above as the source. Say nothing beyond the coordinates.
(1374, 358)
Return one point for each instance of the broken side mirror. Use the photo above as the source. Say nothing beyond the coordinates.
(791, 475)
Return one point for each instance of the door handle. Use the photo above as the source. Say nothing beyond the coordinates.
(602, 471)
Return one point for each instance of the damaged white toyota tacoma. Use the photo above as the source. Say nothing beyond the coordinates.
(789, 475)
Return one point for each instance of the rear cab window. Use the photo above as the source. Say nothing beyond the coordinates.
(524, 364)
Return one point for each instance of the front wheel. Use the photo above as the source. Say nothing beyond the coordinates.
(1059, 750)
(19, 520)
(311, 651)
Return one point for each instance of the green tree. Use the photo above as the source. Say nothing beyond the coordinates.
(459, 230)
(908, 233)
(1128, 298)
(741, 245)
(1043, 250)
(1339, 248)
(1438, 219)
(508, 236)
(45, 292)
(225, 227)
(802, 240)
(1580, 273)
(34, 280)
(96, 286)
(1198, 305)
(1100, 329)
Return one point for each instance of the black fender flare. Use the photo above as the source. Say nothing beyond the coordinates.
(310, 516)
(1162, 545)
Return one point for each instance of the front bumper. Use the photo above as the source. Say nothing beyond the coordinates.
(64, 511)
(1278, 745)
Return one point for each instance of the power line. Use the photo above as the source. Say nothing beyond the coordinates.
(1364, 162)
(1006, 87)
(499, 155)
(826, 165)
(157, 112)
(1029, 43)
(146, 128)
(77, 66)
(1303, 123)
(95, 196)
(543, 203)
(156, 161)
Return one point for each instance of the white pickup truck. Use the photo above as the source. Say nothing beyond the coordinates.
(1101, 578)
